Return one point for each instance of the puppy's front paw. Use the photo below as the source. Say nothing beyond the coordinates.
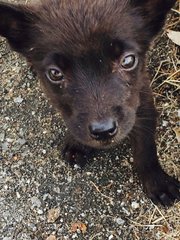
(161, 188)
(75, 155)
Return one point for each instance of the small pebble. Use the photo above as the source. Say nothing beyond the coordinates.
(110, 237)
(119, 221)
(164, 123)
(40, 212)
(35, 202)
(53, 215)
(51, 237)
(18, 195)
(2, 136)
(18, 100)
(135, 205)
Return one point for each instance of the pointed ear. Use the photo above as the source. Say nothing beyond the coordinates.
(16, 24)
(154, 13)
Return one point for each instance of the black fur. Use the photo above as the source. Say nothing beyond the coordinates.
(90, 57)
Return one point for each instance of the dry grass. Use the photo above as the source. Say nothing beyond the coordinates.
(161, 224)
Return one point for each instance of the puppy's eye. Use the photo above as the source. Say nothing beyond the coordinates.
(129, 62)
(55, 75)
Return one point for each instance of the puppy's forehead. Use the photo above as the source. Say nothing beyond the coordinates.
(79, 25)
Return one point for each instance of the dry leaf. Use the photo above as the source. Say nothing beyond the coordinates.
(177, 132)
(53, 215)
(165, 229)
(51, 237)
(78, 226)
(174, 36)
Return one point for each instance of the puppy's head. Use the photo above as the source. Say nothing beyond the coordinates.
(90, 56)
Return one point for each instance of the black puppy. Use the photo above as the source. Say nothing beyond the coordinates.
(90, 57)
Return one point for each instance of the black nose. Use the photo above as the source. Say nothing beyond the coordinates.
(103, 130)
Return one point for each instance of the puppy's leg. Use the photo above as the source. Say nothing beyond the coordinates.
(160, 187)
(75, 152)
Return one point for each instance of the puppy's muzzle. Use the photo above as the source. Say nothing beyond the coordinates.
(103, 130)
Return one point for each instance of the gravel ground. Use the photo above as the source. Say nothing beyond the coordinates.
(42, 198)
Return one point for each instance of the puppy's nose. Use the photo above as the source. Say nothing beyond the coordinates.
(103, 130)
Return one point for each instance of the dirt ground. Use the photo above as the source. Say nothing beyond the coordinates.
(41, 198)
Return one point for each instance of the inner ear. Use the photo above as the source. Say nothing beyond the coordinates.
(16, 25)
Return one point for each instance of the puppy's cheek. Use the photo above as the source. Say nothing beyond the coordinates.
(126, 125)
(133, 101)
(80, 132)
(66, 111)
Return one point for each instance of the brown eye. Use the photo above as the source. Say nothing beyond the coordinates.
(55, 75)
(129, 62)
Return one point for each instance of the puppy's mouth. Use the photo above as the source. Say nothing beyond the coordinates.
(106, 143)
(103, 144)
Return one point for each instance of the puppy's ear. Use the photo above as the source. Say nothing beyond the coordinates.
(154, 13)
(17, 25)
